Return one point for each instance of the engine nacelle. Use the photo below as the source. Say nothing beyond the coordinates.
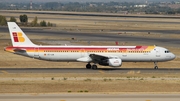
(115, 62)
(111, 62)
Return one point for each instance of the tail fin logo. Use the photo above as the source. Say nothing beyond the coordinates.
(18, 37)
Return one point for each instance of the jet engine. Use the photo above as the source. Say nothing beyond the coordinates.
(111, 62)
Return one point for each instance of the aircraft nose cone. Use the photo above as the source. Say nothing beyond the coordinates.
(173, 56)
(170, 56)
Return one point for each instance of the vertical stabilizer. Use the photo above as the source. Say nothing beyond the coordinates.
(18, 37)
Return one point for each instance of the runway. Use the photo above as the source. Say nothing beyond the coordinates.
(89, 14)
(42, 31)
(84, 70)
(90, 97)
(77, 19)
(106, 37)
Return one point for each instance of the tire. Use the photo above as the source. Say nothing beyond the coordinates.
(94, 67)
(88, 66)
(156, 67)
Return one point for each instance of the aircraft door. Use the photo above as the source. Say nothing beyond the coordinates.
(36, 52)
(124, 54)
(83, 53)
(158, 53)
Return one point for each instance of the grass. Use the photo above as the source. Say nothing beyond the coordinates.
(141, 79)
(82, 23)
(64, 78)
(86, 91)
(119, 85)
(128, 77)
(83, 91)
(87, 79)
(80, 91)
(40, 86)
(107, 79)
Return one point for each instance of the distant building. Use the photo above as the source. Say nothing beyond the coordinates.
(31, 7)
(12, 5)
(140, 6)
(93, 5)
(120, 6)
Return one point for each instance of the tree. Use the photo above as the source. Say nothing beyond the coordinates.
(3, 20)
(23, 18)
(43, 23)
(34, 22)
(49, 24)
(12, 19)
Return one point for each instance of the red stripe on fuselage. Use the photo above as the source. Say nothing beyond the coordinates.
(81, 48)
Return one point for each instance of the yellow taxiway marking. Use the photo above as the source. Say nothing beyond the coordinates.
(148, 100)
(101, 71)
(3, 71)
(62, 100)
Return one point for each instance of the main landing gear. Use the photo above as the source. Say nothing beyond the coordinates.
(155, 65)
(88, 66)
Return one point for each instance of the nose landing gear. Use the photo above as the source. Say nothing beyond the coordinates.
(155, 67)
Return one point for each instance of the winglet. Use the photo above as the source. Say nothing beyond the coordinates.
(18, 37)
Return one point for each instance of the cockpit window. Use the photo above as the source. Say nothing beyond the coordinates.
(167, 51)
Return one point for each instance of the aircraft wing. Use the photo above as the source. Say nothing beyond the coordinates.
(93, 58)
(97, 57)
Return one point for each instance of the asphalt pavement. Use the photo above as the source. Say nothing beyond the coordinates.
(90, 97)
(84, 70)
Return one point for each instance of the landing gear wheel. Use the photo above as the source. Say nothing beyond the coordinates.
(156, 67)
(94, 67)
(88, 66)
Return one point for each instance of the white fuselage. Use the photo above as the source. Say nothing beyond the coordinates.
(72, 53)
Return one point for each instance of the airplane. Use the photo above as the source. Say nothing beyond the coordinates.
(112, 56)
